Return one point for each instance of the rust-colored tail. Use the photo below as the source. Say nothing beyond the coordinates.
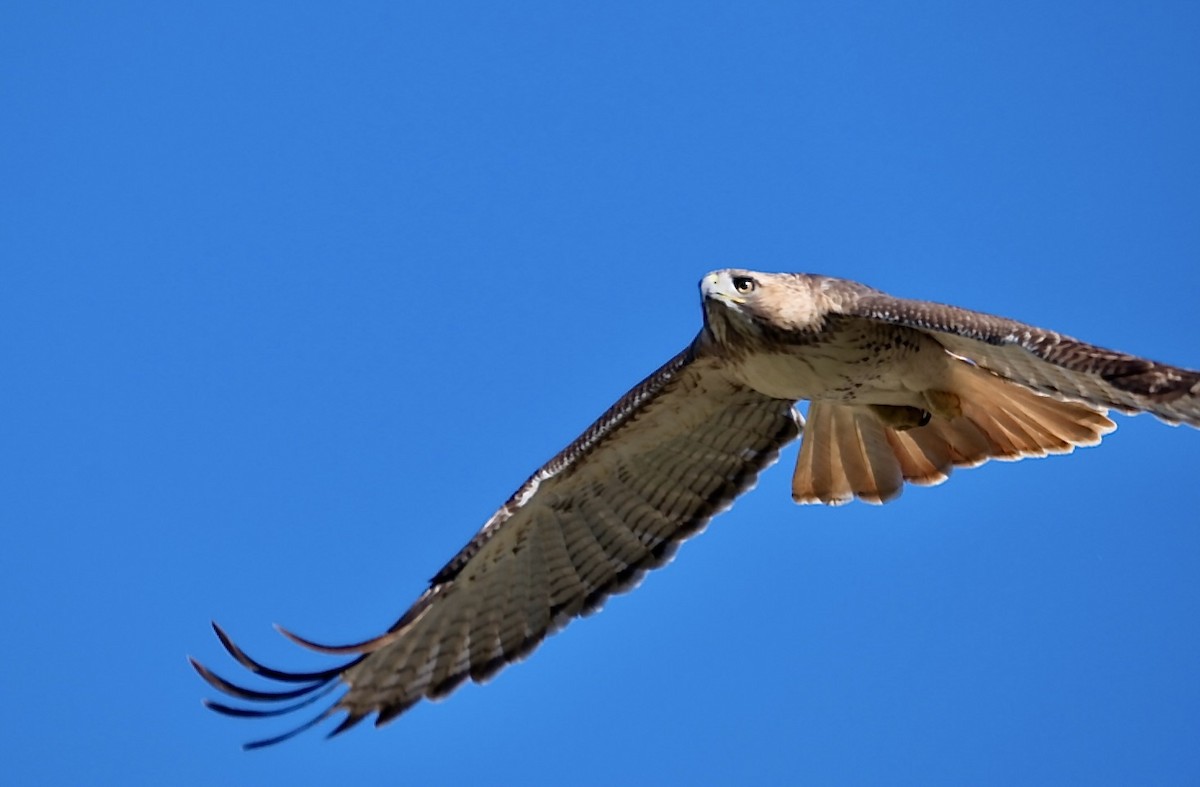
(848, 452)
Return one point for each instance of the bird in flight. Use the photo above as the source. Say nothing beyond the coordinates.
(900, 391)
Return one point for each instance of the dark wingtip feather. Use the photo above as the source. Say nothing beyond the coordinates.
(258, 668)
(366, 646)
(259, 744)
(316, 685)
(241, 713)
(241, 692)
(259, 713)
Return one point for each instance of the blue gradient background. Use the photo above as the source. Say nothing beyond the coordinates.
(293, 296)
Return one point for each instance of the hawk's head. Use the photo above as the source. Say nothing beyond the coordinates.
(749, 304)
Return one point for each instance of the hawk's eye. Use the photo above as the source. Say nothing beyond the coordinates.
(743, 284)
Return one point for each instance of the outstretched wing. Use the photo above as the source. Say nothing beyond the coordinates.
(673, 452)
(1035, 357)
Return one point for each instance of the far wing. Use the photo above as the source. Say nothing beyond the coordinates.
(673, 452)
(1038, 358)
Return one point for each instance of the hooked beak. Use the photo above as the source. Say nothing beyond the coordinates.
(718, 286)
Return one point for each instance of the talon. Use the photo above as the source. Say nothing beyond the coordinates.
(899, 417)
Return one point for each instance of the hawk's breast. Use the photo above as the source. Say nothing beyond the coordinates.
(850, 361)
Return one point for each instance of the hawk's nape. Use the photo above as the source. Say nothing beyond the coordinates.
(673, 452)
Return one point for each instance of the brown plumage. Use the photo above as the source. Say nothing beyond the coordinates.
(901, 391)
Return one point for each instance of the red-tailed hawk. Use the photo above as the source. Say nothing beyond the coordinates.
(900, 390)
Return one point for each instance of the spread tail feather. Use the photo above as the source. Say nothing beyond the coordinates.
(848, 452)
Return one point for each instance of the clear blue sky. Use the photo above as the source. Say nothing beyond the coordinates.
(293, 297)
